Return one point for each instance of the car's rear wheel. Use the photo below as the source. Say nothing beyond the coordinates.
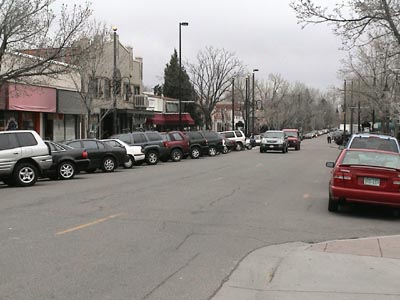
(212, 151)
(195, 152)
(129, 164)
(333, 206)
(66, 170)
(225, 150)
(239, 146)
(152, 157)
(176, 155)
(108, 164)
(25, 174)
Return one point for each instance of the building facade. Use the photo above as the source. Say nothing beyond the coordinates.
(48, 105)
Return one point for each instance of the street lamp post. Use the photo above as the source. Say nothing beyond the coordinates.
(246, 131)
(115, 82)
(252, 105)
(180, 73)
(233, 103)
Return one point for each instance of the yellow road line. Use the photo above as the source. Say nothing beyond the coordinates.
(88, 224)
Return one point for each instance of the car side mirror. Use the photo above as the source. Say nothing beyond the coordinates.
(330, 164)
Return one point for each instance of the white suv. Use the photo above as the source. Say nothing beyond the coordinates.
(23, 157)
(237, 136)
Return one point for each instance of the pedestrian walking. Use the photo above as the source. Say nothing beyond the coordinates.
(329, 138)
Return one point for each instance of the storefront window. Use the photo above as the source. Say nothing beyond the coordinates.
(8, 120)
(27, 121)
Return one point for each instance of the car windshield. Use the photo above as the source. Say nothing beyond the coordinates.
(291, 133)
(273, 134)
(374, 143)
(372, 158)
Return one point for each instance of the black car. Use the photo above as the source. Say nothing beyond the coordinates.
(151, 141)
(214, 140)
(102, 156)
(198, 144)
(67, 161)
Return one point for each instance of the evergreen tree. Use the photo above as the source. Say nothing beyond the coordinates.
(184, 91)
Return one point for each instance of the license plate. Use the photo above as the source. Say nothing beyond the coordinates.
(372, 181)
(271, 146)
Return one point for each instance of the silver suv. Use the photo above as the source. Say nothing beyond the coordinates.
(23, 157)
(237, 136)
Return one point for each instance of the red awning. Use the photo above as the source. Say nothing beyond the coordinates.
(170, 119)
(31, 98)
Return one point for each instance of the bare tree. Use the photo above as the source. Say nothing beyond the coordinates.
(357, 21)
(212, 77)
(31, 27)
(91, 50)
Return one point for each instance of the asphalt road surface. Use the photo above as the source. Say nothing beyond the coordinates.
(170, 231)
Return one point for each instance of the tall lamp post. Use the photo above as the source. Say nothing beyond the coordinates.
(247, 123)
(233, 103)
(115, 82)
(252, 105)
(180, 73)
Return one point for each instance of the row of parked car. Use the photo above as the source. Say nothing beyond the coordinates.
(24, 156)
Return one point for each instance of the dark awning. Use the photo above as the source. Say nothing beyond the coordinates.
(170, 119)
(70, 102)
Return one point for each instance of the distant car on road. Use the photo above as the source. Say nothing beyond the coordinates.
(275, 140)
(67, 161)
(365, 176)
(294, 139)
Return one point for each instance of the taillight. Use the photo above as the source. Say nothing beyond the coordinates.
(396, 180)
(340, 176)
(84, 154)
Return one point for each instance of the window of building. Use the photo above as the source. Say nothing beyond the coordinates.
(127, 91)
(107, 88)
(171, 107)
(136, 90)
(93, 86)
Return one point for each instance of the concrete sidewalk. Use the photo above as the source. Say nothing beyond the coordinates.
(367, 269)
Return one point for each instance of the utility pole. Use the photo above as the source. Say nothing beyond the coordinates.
(115, 129)
(344, 110)
(351, 109)
(359, 106)
(253, 104)
(233, 103)
(247, 107)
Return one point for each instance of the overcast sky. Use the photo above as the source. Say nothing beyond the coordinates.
(264, 34)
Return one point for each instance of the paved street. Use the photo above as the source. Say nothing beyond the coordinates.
(170, 231)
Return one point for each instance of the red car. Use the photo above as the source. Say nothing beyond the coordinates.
(365, 176)
(294, 139)
(177, 143)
